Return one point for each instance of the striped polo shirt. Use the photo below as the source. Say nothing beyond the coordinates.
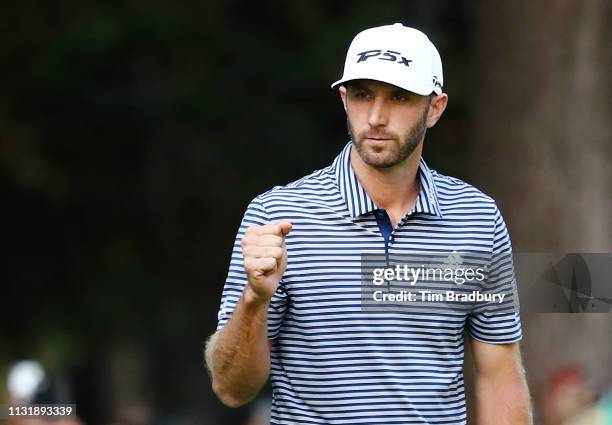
(332, 362)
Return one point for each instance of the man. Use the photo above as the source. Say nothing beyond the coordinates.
(291, 307)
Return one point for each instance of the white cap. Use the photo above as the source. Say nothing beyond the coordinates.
(397, 55)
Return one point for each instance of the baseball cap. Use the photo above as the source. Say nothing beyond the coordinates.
(397, 55)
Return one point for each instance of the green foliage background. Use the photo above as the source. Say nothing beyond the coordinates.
(132, 136)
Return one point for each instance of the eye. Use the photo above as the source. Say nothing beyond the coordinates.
(401, 97)
(361, 94)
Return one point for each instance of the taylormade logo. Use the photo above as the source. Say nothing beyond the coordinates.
(387, 55)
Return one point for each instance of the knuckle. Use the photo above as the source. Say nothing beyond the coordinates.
(249, 251)
(269, 240)
(251, 230)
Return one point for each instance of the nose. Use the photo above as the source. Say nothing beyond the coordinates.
(378, 114)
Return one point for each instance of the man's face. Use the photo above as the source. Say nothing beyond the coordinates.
(386, 123)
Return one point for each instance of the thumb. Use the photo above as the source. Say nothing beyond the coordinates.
(285, 227)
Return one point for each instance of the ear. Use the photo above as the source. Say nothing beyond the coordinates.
(342, 91)
(436, 109)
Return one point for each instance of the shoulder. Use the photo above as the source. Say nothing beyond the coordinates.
(466, 206)
(458, 196)
(315, 189)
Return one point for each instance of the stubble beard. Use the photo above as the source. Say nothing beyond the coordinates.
(399, 149)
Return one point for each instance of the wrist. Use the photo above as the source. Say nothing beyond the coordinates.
(252, 299)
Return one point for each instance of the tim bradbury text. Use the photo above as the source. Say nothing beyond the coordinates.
(428, 296)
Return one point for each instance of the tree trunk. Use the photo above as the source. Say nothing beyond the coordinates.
(542, 148)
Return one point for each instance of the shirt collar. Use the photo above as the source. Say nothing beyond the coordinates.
(427, 201)
(357, 200)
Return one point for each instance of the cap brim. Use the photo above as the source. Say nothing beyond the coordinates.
(410, 86)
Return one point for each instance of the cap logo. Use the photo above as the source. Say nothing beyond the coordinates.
(387, 55)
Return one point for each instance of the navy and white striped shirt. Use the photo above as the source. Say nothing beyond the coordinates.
(333, 362)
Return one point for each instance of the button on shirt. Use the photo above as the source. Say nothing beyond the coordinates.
(331, 361)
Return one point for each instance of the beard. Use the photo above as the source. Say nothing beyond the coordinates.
(398, 148)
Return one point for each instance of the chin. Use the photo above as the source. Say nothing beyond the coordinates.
(381, 160)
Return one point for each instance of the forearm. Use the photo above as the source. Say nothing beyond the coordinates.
(239, 355)
(503, 398)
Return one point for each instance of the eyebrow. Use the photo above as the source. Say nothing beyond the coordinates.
(403, 92)
(356, 86)
(394, 92)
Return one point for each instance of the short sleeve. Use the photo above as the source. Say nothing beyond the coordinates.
(236, 277)
(502, 324)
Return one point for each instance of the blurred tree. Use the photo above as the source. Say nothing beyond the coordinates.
(132, 136)
(542, 134)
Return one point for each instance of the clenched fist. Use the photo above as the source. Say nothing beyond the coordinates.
(265, 258)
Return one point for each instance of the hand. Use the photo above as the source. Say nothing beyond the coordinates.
(265, 258)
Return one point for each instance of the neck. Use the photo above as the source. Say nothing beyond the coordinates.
(394, 189)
